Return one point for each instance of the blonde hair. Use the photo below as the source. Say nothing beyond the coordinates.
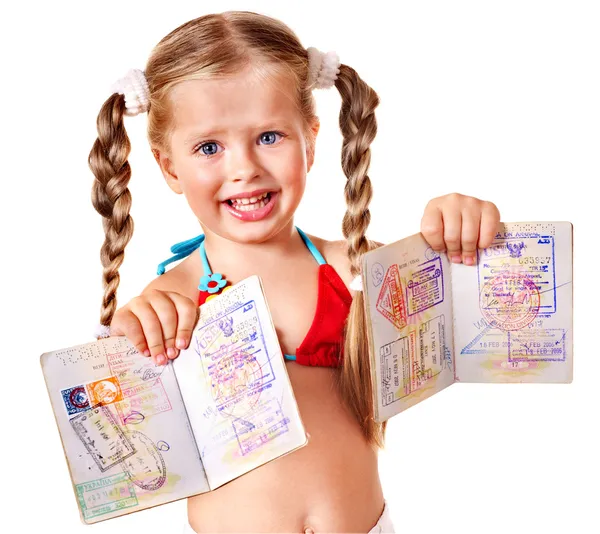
(215, 46)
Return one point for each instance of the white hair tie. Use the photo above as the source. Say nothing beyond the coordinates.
(135, 88)
(356, 284)
(323, 68)
(101, 331)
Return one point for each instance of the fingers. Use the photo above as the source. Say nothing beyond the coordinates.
(155, 321)
(490, 218)
(151, 313)
(187, 317)
(452, 233)
(126, 323)
(460, 224)
(432, 227)
(469, 233)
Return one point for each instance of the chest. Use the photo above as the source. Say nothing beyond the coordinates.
(292, 293)
(292, 302)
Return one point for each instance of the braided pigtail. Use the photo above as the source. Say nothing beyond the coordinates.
(358, 126)
(111, 197)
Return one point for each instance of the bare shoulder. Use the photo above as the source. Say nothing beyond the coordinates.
(179, 279)
(336, 254)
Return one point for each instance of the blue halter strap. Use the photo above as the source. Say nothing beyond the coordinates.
(185, 248)
(181, 250)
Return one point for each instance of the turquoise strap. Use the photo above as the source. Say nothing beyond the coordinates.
(185, 248)
(205, 266)
(181, 250)
(311, 247)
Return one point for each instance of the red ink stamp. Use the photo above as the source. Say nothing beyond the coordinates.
(390, 302)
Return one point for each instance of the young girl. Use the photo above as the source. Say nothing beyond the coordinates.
(232, 125)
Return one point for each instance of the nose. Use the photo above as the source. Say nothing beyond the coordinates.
(244, 164)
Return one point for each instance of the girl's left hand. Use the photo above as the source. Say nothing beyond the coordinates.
(459, 224)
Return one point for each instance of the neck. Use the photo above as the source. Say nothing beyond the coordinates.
(253, 251)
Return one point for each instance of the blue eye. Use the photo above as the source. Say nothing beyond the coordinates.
(269, 133)
(213, 147)
(211, 152)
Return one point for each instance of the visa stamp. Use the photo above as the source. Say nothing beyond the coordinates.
(377, 274)
(234, 358)
(146, 468)
(396, 361)
(390, 301)
(142, 391)
(130, 368)
(509, 301)
(425, 287)
(408, 363)
(105, 495)
(234, 377)
(76, 399)
(105, 391)
(528, 252)
(98, 430)
(539, 344)
(261, 428)
(141, 400)
(432, 334)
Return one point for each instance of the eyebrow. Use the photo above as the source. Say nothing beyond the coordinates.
(272, 125)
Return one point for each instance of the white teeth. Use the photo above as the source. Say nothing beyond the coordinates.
(251, 207)
(250, 200)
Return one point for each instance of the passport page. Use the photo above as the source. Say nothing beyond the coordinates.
(409, 302)
(235, 385)
(514, 311)
(124, 428)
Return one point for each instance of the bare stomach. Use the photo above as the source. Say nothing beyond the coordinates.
(330, 485)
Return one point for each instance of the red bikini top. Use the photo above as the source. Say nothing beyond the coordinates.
(323, 344)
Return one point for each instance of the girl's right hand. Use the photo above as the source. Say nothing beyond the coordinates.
(158, 323)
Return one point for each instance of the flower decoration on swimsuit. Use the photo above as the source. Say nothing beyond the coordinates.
(212, 283)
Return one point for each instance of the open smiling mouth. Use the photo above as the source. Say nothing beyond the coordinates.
(252, 212)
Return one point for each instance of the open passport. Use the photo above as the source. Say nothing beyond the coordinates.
(137, 435)
(433, 323)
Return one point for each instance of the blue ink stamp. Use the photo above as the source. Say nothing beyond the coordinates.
(162, 445)
(76, 399)
(431, 254)
(448, 358)
(425, 289)
(377, 274)
(515, 249)
(542, 345)
(226, 326)
(489, 341)
(269, 423)
(528, 254)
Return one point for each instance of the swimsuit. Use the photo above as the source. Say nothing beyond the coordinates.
(323, 344)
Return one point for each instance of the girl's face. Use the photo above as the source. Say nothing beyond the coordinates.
(233, 136)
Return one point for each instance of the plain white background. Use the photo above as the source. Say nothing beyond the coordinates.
(498, 100)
